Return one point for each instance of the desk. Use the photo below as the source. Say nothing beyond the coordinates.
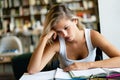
(4, 60)
(6, 71)
(6, 57)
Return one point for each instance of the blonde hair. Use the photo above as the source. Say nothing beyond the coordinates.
(55, 14)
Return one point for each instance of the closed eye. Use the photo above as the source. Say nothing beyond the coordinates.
(66, 27)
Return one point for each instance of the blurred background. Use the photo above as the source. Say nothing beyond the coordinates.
(24, 20)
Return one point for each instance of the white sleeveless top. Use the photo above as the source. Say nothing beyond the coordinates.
(64, 61)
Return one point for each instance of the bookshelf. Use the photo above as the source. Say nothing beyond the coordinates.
(22, 15)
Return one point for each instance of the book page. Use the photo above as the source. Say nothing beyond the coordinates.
(112, 70)
(61, 75)
(45, 75)
(87, 73)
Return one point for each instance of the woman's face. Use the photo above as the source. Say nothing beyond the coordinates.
(66, 29)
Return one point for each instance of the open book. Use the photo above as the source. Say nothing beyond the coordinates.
(46, 75)
(96, 73)
(59, 74)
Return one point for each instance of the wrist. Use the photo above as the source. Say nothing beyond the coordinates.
(44, 39)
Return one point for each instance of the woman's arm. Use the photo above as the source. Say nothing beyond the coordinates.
(99, 41)
(42, 54)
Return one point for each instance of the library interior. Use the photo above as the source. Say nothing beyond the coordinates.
(21, 25)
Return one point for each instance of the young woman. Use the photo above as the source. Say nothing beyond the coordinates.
(75, 46)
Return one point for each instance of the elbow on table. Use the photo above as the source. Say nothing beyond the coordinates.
(32, 71)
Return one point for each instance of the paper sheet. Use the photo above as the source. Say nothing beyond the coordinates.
(60, 74)
(46, 75)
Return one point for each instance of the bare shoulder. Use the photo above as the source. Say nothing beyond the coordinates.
(95, 35)
(97, 38)
(53, 46)
(94, 32)
(57, 45)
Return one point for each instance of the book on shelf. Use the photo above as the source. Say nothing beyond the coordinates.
(59, 74)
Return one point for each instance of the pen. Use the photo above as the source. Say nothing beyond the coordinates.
(113, 75)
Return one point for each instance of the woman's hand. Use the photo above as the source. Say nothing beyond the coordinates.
(51, 35)
(78, 66)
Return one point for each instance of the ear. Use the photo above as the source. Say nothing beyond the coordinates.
(75, 20)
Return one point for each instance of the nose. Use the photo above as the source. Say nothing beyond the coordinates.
(64, 33)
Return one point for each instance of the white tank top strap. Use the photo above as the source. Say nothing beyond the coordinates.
(62, 45)
(88, 39)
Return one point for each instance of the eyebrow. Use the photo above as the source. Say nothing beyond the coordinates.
(58, 30)
(65, 25)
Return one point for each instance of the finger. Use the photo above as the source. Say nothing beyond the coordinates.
(50, 34)
(69, 68)
(66, 69)
(55, 35)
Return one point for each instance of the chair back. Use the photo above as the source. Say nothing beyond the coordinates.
(99, 55)
(11, 44)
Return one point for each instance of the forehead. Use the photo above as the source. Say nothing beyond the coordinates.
(62, 23)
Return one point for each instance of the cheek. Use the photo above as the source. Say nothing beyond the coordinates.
(70, 32)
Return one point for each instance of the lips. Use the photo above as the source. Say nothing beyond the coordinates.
(67, 38)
